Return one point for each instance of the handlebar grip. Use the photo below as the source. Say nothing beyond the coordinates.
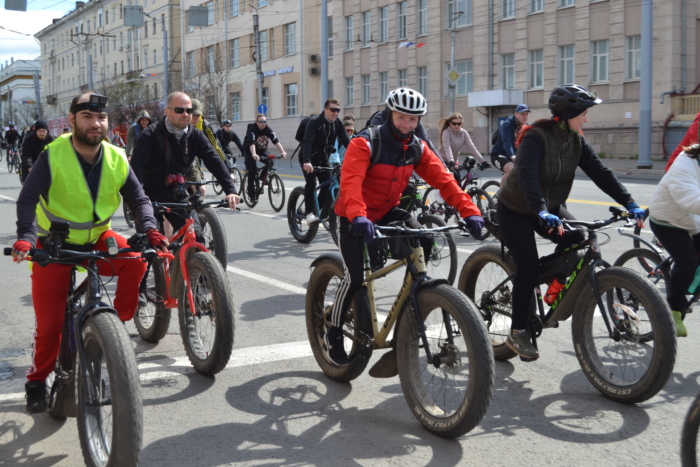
(7, 251)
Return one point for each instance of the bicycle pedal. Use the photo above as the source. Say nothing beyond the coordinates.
(527, 359)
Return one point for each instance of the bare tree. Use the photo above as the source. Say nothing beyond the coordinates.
(209, 86)
(126, 100)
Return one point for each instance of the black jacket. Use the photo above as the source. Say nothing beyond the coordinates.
(319, 139)
(258, 137)
(32, 147)
(226, 137)
(157, 154)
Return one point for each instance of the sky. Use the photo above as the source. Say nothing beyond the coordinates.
(17, 28)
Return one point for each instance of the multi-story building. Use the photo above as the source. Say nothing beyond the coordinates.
(91, 47)
(18, 92)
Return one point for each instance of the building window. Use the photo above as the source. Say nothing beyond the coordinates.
(263, 46)
(145, 57)
(349, 33)
(291, 95)
(366, 90)
(349, 92)
(154, 25)
(383, 24)
(235, 7)
(508, 9)
(383, 85)
(190, 64)
(508, 71)
(162, 22)
(600, 59)
(235, 53)
(423, 80)
(330, 38)
(210, 13)
(366, 31)
(211, 65)
(211, 107)
(536, 69)
(563, 3)
(566, 64)
(266, 98)
(402, 77)
(422, 17)
(290, 39)
(536, 6)
(459, 13)
(106, 17)
(155, 57)
(402, 12)
(235, 100)
(262, 3)
(145, 29)
(465, 83)
(633, 57)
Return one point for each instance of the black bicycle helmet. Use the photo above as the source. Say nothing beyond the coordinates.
(570, 101)
(226, 122)
(407, 101)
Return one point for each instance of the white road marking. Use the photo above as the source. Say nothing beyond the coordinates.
(7, 197)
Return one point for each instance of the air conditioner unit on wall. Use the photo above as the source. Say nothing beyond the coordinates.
(313, 58)
(314, 71)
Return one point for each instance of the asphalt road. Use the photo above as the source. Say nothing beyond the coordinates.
(273, 406)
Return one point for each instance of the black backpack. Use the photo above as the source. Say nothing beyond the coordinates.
(302, 128)
(496, 135)
(367, 125)
(375, 144)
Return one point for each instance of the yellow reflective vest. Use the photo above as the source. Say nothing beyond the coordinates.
(69, 197)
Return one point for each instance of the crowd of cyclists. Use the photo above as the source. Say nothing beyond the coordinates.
(81, 178)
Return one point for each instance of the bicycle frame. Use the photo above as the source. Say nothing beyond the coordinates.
(333, 185)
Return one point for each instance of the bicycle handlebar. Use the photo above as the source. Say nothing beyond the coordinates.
(407, 230)
(191, 203)
(618, 215)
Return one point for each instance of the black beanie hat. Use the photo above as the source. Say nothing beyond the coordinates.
(40, 125)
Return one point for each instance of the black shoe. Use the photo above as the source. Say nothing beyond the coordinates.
(36, 397)
(335, 347)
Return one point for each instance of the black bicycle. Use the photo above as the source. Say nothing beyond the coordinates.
(622, 329)
(296, 208)
(95, 378)
(236, 176)
(265, 176)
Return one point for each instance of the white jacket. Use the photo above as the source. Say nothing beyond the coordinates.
(676, 200)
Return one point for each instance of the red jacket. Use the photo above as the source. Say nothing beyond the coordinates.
(690, 138)
(372, 192)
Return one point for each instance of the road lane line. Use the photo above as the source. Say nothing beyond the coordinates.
(7, 197)
(267, 280)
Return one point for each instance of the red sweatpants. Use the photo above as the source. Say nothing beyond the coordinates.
(50, 291)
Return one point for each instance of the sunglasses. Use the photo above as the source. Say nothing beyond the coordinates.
(334, 110)
(179, 110)
(456, 123)
(262, 121)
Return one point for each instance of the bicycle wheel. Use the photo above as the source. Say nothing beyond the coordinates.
(17, 164)
(237, 179)
(10, 164)
(110, 410)
(296, 217)
(214, 235)
(689, 435)
(244, 193)
(487, 207)
(216, 186)
(436, 205)
(620, 366)
(208, 332)
(491, 187)
(275, 191)
(152, 320)
(442, 261)
(646, 262)
(449, 393)
(482, 280)
(320, 295)
(128, 216)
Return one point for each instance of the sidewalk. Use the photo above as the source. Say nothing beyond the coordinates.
(627, 169)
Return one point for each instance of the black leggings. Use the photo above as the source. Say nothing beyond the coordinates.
(684, 250)
(310, 187)
(352, 249)
(251, 166)
(518, 233)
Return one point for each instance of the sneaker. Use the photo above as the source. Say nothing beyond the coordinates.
(312, 220)
(520, 343)
(36, 397)
(681, 331)
(335, 347)
(143, 301)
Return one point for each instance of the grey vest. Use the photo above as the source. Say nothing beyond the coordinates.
(562, 152)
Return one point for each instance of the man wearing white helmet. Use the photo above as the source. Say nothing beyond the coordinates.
(377, 167)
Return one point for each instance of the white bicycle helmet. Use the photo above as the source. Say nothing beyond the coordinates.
(407, 101)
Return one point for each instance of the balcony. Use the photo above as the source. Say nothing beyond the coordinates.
(133, 74)
(685, 107)
(52, 99)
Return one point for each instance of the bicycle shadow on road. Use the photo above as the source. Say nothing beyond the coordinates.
(578, 413)
(279, 248)
(271, 307)
(20, 434)
(304, 422)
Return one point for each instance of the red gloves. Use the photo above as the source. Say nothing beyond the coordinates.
(22, 246)
(157, 239)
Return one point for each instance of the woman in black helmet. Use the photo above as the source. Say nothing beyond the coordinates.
(531, 199)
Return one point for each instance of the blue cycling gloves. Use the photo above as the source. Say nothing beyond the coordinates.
(363, 226)
(549, 220)
(634, 209)
(474, 224)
